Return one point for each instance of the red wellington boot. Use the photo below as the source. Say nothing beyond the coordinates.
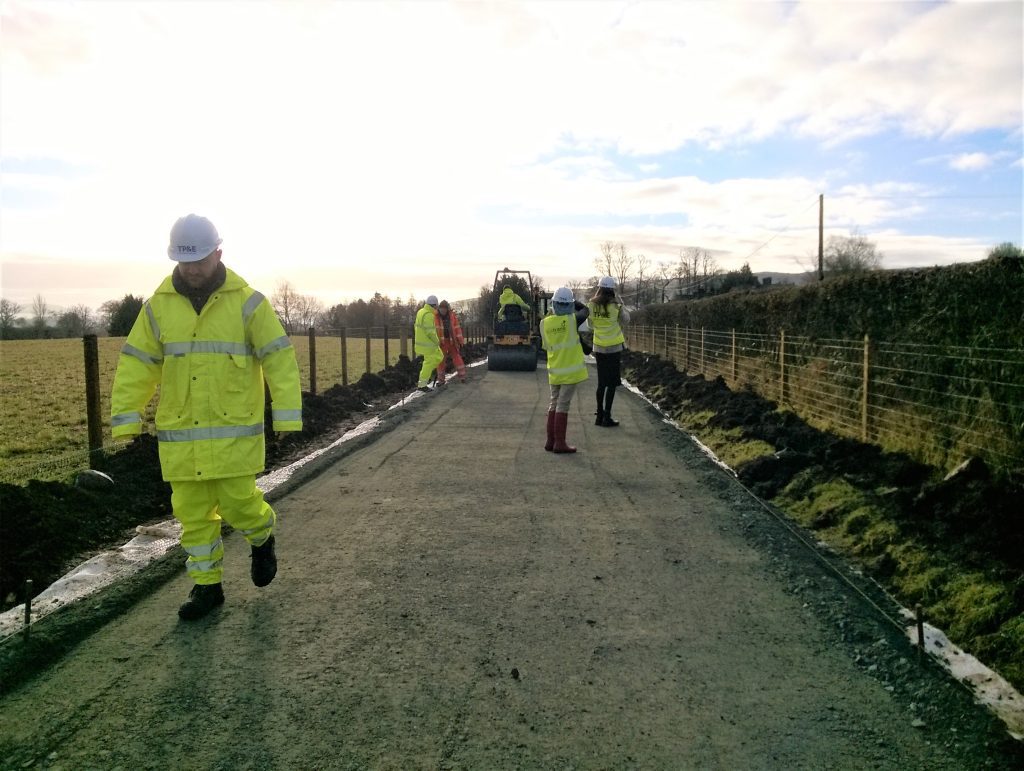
(561, 419)
(550, 444)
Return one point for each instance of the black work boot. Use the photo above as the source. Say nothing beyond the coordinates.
(606, 420)
(264, 563)
(201, 600)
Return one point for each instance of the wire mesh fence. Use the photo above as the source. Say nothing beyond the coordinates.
(938, 403)
(49, 431)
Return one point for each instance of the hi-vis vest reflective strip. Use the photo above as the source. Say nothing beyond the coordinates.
(607, 331)
(565, 356)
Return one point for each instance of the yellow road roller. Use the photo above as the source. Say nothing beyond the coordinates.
(519, 307)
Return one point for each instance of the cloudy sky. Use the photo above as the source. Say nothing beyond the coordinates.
(415, 148)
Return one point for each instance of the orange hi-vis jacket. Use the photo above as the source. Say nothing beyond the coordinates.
(456, 329)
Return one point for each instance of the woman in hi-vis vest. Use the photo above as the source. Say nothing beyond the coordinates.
(566, 366)
(606, 315)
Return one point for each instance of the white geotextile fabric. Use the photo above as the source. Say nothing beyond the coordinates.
(152, 541)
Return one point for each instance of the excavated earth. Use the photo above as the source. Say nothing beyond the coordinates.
(477, 603)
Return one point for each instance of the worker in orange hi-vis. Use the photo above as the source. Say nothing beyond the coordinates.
(449, 333)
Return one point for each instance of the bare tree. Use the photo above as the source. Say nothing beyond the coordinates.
(643, 268)
(76, 321)
(9, 311)
(579, 289)
(284, 301)
(307, 309)
(698, 265)
(667, 273)
(851, 254)
(606, 262)
(40, 314)
(623, 263)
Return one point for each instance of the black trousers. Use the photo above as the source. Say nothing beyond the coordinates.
(609, 369)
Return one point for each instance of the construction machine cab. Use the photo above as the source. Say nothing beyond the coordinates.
(516, 340)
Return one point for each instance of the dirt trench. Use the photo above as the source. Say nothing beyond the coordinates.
(451, 596)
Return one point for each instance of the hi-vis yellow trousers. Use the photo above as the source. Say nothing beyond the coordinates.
(431, 359)
(199, 506)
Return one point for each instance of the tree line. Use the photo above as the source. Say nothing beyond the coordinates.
(298, 312)
(694, 273)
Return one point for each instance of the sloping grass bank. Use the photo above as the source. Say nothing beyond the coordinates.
(953, 545)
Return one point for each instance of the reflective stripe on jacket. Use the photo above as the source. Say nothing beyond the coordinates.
(605, 323)
(565, 355)
(425, 333)
(210, 368)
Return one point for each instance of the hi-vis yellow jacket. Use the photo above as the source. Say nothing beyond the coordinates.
(604, 320)
(210, 370)
(565, 354)
(425, 338)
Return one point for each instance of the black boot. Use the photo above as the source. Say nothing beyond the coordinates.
(201, 600)
(264, 563)
(600, 408)
(609, 397)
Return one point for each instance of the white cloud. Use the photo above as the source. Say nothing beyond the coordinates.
(362, 140)
(971, 161)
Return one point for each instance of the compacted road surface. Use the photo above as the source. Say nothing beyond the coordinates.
(452, 596)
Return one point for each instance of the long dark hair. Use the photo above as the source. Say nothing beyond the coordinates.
(602, 297)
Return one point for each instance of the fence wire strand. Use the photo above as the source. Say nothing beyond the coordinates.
(852, 385)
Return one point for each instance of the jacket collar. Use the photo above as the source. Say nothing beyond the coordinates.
(232, 281)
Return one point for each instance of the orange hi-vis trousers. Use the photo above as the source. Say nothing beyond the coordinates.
(450, 348)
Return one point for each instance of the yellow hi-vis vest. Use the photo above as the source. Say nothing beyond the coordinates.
(425, 334)
(565, 355)
(210, 369)
(607, 331)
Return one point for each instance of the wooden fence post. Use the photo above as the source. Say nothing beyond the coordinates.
(94, 419)
(344, 356)
(734, 356)
(367, 350)
(782, 366)
(686, 349)
(403, 342)
(386, 341)
(666, 343)
(865, 388)
(703, 371)
(312, 360)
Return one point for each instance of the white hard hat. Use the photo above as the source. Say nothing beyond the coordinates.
(432, 299)
(563, 295)
(192, 238)
(607, 283)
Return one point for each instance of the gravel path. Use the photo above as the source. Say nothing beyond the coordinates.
(451, 596)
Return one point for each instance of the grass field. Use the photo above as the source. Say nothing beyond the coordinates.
(43, 430)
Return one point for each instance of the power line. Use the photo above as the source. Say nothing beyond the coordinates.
(794, 214)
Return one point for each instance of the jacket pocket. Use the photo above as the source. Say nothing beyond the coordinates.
(237, 389)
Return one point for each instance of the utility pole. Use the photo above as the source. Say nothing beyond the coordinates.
(821, 237)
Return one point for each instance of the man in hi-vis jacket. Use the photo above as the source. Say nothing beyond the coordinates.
(208, 340)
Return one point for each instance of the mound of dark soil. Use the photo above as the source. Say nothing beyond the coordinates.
(49, 527)
(964, 521)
